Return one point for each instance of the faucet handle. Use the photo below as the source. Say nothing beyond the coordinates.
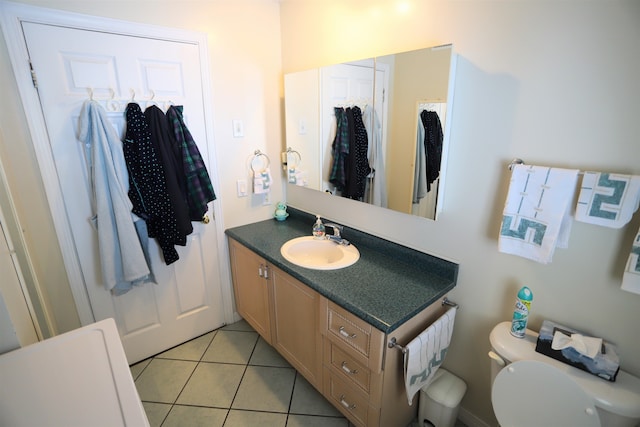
(336, 228)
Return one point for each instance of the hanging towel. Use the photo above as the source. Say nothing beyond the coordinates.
(425, 353)
(631, 276)
(122, 260)
(537, 215)
(262, 181)
(608, 199)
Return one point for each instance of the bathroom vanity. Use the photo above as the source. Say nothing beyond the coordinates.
(334, 326)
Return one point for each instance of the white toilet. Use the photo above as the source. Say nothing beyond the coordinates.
(530, 389)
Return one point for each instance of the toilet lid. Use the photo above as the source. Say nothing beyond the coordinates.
(529, 393)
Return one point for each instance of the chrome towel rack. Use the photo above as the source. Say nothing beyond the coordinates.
(259, 155)
(393, 343)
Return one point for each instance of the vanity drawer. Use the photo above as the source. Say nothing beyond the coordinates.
(351, 402)
(346, 366)
(365, 342)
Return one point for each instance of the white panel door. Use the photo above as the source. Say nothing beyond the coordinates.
(69, 64)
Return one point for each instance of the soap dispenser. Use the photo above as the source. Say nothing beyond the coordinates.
(318, 228)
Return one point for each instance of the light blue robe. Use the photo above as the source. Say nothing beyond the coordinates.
(122, 259)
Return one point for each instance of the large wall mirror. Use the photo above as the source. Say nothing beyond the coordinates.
(374, 130)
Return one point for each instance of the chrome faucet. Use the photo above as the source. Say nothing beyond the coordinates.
(336, 237)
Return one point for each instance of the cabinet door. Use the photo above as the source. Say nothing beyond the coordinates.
(251, 287)
(296, 332)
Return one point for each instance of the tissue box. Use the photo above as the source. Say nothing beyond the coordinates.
(604, 365)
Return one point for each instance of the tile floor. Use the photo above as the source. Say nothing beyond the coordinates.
(229, 377)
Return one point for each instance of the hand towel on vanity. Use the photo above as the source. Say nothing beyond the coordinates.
(425, 353)
(262, 181)
(608, 199)
(536, 216)
(631, 276)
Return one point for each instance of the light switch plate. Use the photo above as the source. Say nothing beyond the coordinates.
(238, 128)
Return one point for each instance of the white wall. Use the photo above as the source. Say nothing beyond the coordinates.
(244, 55)
(552, 82)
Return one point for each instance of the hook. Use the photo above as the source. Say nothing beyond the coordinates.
(112, 104)
(133, 95)
(90, 89)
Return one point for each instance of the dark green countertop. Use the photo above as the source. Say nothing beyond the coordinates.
(388, 285)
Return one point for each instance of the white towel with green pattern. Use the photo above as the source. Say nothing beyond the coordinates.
(631, 276)
(425, 353)
(608, 199)
(537, 212)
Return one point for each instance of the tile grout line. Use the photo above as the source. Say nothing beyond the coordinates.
(192, 372)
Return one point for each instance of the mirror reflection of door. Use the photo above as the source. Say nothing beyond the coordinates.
(342, 86)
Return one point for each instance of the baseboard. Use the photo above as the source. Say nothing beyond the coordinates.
(470, 420)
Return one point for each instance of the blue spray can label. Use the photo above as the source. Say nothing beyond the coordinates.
(521, 312)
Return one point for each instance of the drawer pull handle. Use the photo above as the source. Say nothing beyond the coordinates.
(347, 370)
(346, 404)
(345, 333)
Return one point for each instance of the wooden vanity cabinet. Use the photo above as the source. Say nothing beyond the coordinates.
(295, 325)
(341, 355)
(363, 377)
(284, 311)
(250, 274)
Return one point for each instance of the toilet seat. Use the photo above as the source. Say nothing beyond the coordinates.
(530, 393)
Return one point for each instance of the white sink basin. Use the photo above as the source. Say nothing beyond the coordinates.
(319, 254)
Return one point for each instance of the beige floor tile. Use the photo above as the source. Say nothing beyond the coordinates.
(265, 355)
(251, 418)
(191, 350)
(231, 347)
(307, 400)
(315, 421)
(195, 416)
(265, 389)
(156, 412)
(137, 369)
(212, 384)
(162, 380)
(241, 325)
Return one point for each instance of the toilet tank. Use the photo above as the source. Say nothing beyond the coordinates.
(618, 402)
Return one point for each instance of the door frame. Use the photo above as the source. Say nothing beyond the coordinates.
(11, 16)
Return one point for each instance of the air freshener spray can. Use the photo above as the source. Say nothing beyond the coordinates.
(521, 312)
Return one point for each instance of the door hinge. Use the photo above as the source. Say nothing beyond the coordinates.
(34, 79)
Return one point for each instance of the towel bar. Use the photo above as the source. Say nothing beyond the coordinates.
(518, 161)
(393, 343)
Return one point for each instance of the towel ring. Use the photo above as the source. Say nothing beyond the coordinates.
(294, 153)
(257, 155)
